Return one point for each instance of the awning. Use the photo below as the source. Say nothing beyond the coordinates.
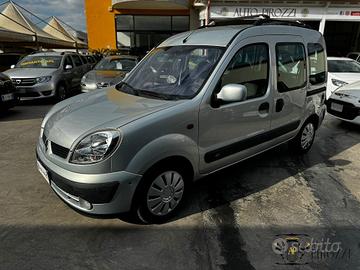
(10, 36)
(150, 4)
(14, 21)
(55, 29)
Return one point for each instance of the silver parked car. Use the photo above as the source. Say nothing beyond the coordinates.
(47, 74)
(109, 71)
(201, 101)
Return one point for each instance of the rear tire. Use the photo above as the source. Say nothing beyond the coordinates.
(160, 195)
(302, 143)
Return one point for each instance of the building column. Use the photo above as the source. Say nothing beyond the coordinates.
(323, 19)
(322, 25)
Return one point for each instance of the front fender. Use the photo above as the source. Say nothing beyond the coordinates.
(164, 147)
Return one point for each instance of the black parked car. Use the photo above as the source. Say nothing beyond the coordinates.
(8, 97)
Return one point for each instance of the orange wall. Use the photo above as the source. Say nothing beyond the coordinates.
(101, 21)
(100, 24)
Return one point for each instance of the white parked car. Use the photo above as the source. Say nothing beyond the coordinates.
(354, 55)
(341, 71)
(344, 103)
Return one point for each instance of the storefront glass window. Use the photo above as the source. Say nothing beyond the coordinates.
(124, 39)
(124, 22)
(180, 23)
(142, 33)
(159, 23)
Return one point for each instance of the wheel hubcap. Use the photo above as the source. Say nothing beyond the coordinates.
(307, 136)
(165, 193)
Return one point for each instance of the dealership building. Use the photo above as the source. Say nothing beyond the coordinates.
(139, 25)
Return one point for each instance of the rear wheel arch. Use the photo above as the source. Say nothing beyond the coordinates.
(315, 119)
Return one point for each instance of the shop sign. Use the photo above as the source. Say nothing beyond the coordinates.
(288, 13)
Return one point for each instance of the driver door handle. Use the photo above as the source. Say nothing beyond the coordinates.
(279, 105)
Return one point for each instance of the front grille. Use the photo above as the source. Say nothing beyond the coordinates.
(349, 112)
(59, 150)
(102, 85)
(24, 82)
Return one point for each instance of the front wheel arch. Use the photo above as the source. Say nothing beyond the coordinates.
(178, 163)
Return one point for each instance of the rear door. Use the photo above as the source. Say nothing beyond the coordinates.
(291, 84)
(231, 132)
(77, 70)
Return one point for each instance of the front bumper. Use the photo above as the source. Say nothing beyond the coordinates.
(349, 112)
(37, 91)
(9, 103)
(110, 193)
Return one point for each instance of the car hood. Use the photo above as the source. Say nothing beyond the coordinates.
(104, 109)
(352, 89)
(29, 72)
(106, 76)
(346, 77)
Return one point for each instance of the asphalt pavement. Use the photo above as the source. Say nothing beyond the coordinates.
(229, 221)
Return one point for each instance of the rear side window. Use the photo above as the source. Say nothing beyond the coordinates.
(249, 67)
(291, 66)
(317, 63)
(76, 60)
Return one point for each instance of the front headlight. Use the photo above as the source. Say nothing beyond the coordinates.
(95, 147)
(43, 79)
(338, 82)
(83, 79)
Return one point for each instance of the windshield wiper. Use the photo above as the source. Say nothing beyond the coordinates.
(158, 95)
(133, 90)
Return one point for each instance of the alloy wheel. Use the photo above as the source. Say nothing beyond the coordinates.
(165, 193)
(307, 136)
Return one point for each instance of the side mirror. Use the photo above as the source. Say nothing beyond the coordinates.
(68, 67)
(12, 66)
(232, 93)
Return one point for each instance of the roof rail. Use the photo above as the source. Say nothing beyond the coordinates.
(270, 21)
(260, 19)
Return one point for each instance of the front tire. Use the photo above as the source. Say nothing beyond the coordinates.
(304, 140)
(160, 195)
(61, 93)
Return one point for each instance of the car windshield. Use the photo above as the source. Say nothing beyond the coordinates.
(173, 72)
(346, 66)
(124, 64)
(33, 61)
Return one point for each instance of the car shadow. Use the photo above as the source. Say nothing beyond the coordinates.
(31, 109)
(27, 110)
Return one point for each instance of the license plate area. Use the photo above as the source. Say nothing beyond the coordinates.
(43, 171)
(337, 107)
(7, 97)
